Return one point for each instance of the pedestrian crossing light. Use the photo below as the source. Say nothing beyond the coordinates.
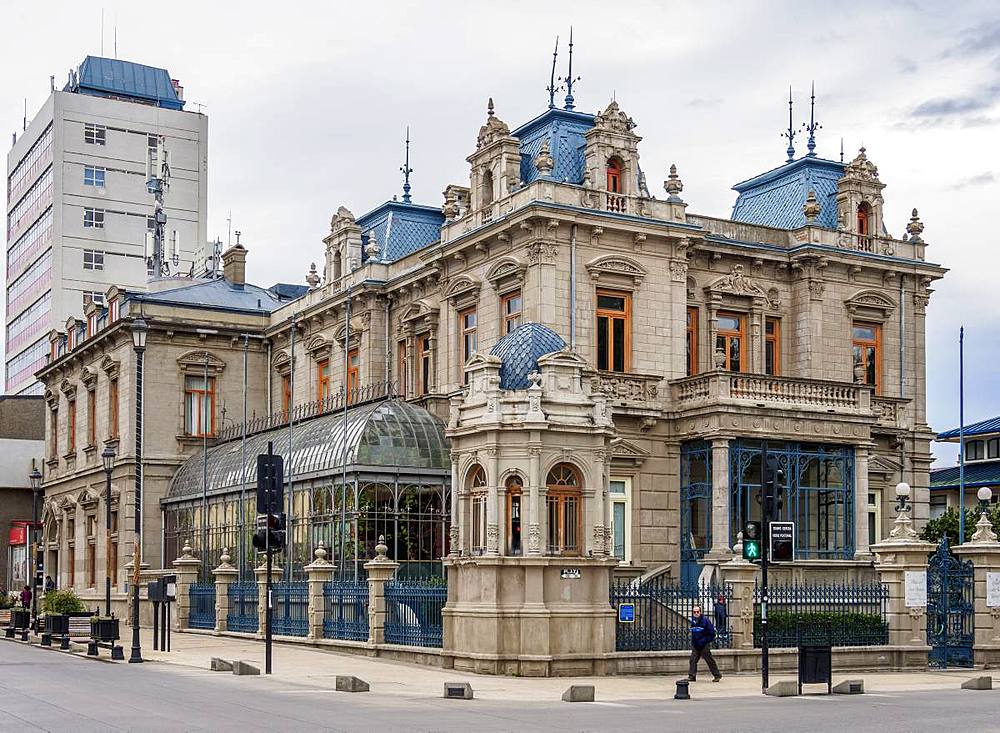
(751, 541)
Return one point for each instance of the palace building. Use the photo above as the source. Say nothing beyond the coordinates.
(551, 366)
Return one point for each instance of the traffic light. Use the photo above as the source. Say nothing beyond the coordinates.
(270, 483)
(751, 541)
(271, 535)
(774, 489)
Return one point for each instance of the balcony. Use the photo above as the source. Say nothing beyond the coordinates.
(761, 390)
(630, 393)
(890, 412)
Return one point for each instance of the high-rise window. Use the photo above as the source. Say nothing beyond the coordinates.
(199, 406)
(93, 218)
(692, 340)
(95, 134)
(867, 343)
(323, 386)
(729, 340)
(93, 259)
(93, 176)
(510, 308)
(614, 330)
(772, 346)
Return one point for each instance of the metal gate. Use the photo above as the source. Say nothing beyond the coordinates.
(950, 609)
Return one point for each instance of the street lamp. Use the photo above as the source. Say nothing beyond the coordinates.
(902, 497)
(985, 493)
(139, 331)
(108, 459)
(35, 477)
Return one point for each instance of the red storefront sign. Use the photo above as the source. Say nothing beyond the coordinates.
(18, 534)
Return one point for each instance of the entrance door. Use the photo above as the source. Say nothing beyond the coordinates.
(950, 610)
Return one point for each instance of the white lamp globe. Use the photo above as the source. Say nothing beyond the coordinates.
(903, 490)
(985, 493)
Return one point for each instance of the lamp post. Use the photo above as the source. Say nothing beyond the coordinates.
(984, 495)
(139, 331)
(35, 477)
(902, 497)
(108, 459)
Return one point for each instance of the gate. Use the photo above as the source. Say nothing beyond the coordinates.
(950, 609)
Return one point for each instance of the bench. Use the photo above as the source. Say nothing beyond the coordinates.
(79, 626)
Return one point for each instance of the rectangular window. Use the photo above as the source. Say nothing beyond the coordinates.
(93, 218)
(993, 448)
(874, 516)
(729, 339)
(401, 368)
(353, 374)
(939, 505)
(71, 426)
(286, 393)
(93, 176)
(467, 321)
(113, 408)
(478, 539)
(71, 561)
(614, 330)
(692, 341)
(867, 343)
(93, 259)
(53, 434)
(199, 406)
(563, 511)
(974, 450)
(91, 551)
(93, 296)
(95, 134)
(620, 491)
(510, 308)
(113, 308)
(772, 346)
(91, 418)
(424, 349)
(323, 387)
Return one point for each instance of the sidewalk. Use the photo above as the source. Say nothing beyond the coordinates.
(318, 668)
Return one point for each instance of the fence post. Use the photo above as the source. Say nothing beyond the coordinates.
(741, 575)
(319, 572)
(904, 553)
(224, 576)
(380, 570)
(984, 551)
(261, 573)
(186, 569)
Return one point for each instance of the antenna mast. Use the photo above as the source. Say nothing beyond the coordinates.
(157, 182)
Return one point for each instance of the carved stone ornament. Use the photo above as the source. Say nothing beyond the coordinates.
(453, 540)
(493, 130)
(462, 286)
(984, 530)
(915, 228)
(534, 539)
(612, 119)
(902, 529)
(861, 168)
(737, 283)
(492, 538)
(312, 278)
(544, 161)
(372, 249)
(673, 185)
(617, 265)
(509, 269)
(811, 208)
(871, 299)
(678, 271)
(541, 252)
(598, 539)
(342, 218)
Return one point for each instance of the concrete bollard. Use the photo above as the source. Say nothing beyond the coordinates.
(784, 688)
(579, 693)
(244, 668)
(682, 689)
(458, 690)
(221, 665)
(978, 683)
(849, 687)
(350, 683)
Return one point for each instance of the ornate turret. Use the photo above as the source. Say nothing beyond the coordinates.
(859, 198)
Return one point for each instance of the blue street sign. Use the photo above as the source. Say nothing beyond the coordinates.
(626, 613)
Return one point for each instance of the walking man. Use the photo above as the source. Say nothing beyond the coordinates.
(702, 636)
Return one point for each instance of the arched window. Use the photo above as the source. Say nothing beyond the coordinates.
(614, 176)
(864, 219)
(476, 483)
(487, 188)
(515, 488)
(562, 504)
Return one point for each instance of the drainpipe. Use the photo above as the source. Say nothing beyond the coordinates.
(572, 287)
(902, 361)
(388, 352)
(269, 380)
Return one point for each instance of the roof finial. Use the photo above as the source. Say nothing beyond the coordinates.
(552, 88)
(790, 151)
(489, 108)
(407, 170)
(841, 150)
(569, 79)
(813, 125)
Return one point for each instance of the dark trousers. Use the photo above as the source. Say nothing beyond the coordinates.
(704, 653)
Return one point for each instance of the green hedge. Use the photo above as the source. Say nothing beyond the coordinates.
(788, 628)
(59, 602)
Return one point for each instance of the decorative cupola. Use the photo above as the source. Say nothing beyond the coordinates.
(496, 164)
(859, 198)
(343, 245)
(612, 153)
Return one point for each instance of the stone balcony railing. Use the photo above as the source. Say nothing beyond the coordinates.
(890, 412)
(761, 390)
(635, 391)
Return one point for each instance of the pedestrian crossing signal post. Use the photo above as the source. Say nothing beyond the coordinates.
(751, 542)
(773, 493)
(270, 535)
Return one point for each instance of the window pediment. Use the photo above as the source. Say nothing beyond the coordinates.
(462, 287)
(318, 347)
(89, 378)
(282, 362)
(194, 361)
(341, 333)
(417, 310)
(88, 499)
(611, 265)
(110, 366)
(736, 283)
(870, 300)
(506, 271)
(68, 388)
(51, 398)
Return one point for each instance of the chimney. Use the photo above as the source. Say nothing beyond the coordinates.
(234, 265)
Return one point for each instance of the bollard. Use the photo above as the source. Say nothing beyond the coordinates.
(64, 643)
(92, 649)
(117, 653)
(46, 639)
(682, 690)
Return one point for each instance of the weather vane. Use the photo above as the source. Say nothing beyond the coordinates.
(552, 88)
(406, 169)
(569, 80)
(813, 125)
(791, 133)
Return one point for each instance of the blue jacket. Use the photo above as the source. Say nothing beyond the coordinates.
(702, 632)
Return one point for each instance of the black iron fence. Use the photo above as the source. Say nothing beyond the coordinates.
(839, 614)
(345, 610)
(243, 607)
(202, 611)
(290, 616)
(655, 615)
(413, 612)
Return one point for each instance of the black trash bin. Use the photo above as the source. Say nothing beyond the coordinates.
(816, 666)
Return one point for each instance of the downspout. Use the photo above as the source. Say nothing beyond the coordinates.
(290, 535)
(269, 380)
(388, 353)
(572, 287)
(344, 446)
(902, 371)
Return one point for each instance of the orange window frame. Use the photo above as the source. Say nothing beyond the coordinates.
(515, 492)
(772, 338)
(91, 418)
(424, 349)
(202, 396)
(564, 489)
(71, 426)
(323, 379)
(511, 317)
(614, 176)
(113, 408)
(728, 334)
(353, 371)
(286, 393)
(612, 315)
(54, 431)
(864, 220)
(875, 344)
(692, 341)
(468, 322)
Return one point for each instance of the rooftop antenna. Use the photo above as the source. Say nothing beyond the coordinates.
(406, 169)
(229, 233)
(841, 150)
(102, 31)
(24, 120)
(790, 151)
(116, 35)
(569, 79)
(552, 88)
(813, 125)
(157, 182)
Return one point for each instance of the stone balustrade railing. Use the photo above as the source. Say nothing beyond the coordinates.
(889, 411)
(625, 389)
(762, 389)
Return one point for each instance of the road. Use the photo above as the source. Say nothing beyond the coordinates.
(47, 690)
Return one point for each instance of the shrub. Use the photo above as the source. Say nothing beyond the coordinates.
(947, 524)
(789, 628)
(6, 601)
(58, 602)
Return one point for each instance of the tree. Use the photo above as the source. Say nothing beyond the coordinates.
(947, 524)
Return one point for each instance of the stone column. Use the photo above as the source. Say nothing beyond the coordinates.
(318, 572)
(535, 510)
(262, 599)
(741, 575)
(224, 575)
(861, 550)
(904, 553)
(984, 551)
(493, 513)
(720, 499)
(380, 570)
(186, 570)
(455, 540)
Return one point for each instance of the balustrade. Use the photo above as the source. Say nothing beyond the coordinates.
(768, 390)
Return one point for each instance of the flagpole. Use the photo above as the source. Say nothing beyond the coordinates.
(961, 435)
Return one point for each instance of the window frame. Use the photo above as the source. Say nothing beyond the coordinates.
(979, 453)
(514, 486)
(469, 335)
(624, 315)
(863, 343)
(96, 260)
(95, 176)
(615, 175)
(874, 512)
(113, 426)
(992, 448)
(691, 332)
(558, 496)
(71, 426)
(727, 334)
(97, 133)
(508, 317)
(353, 382)
(200, 392)
(401, 364)
(478, 489)
(286, 393)
(93, 218)
(624, 498)
(424, 360)
(324, 386)
(773, 340)
(91, 418)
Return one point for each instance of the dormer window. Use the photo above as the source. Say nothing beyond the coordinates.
(993, 448)
(113, 311)
(614, 176)
(864, 219)
(91, 324)
(974, 450)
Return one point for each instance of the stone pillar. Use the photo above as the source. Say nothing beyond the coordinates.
(380, 570)
(904, 553)
(262, 599)
(493, 513)
(318, 572)
(224, 575)
(535, 508)
(455, 540)
(984, 551)
(720, 499)
(741, 575)
(186, 570)
(861, 550)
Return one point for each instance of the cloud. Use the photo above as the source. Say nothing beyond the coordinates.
(704, 102)
(965, 110)
(980, 39)
(981, 179)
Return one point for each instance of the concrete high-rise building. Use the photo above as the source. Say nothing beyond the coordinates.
(78, 207)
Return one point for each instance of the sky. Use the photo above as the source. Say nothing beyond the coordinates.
(308, 105)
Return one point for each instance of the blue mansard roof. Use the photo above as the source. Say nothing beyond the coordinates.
(983, 427)
(401, 229)
(103, 77)
(775, 198)
(978, 473)
(519, 351)
(565, 130)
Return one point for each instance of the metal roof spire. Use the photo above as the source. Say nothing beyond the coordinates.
(406, 169)
(569, 80)
(813, 125)
(790, 151)
(841, 150)
(552, 88)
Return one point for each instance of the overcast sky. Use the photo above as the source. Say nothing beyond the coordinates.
(308, 103)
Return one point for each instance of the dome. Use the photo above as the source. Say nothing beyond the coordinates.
(519, 351)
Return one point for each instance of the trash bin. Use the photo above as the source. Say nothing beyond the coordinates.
(816, 666)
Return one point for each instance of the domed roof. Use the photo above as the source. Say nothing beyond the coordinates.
(519, 351)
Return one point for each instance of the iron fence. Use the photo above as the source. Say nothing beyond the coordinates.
(345, 610)
(839, 614)
(661, 613)
(202, 612)
(243, 607)
(413, 612)
(290, 616)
